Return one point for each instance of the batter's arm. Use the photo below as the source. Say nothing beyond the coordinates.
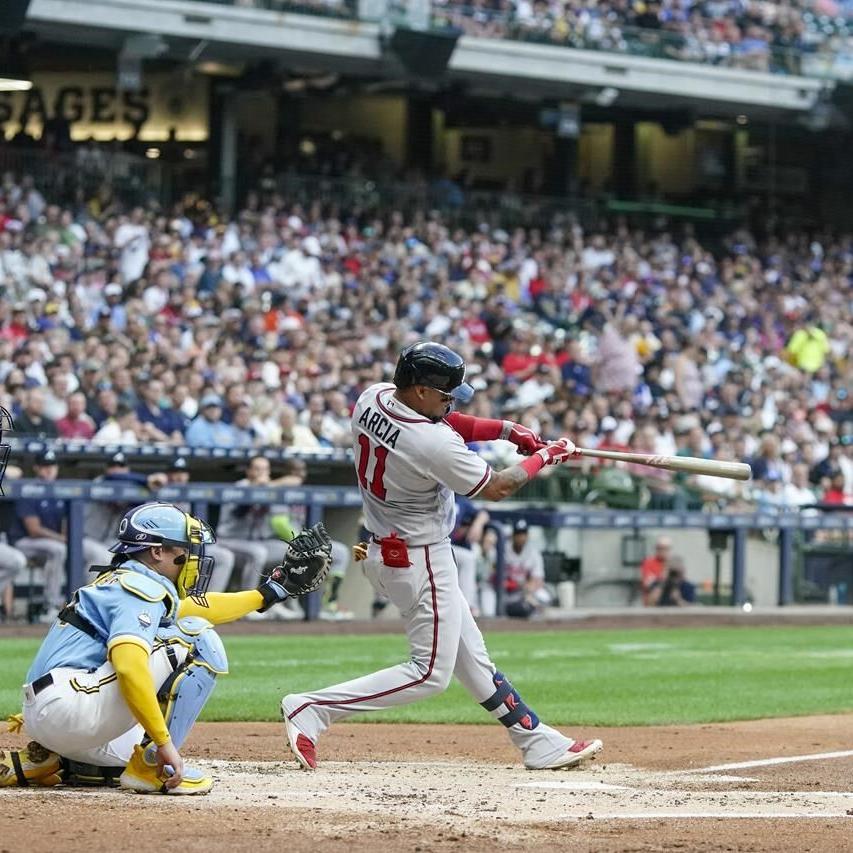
(504, 483)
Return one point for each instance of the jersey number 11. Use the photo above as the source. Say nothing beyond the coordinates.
(377, 486)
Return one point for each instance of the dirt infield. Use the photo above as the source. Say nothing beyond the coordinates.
(434, 788)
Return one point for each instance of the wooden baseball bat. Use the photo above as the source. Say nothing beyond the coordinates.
(688, 464)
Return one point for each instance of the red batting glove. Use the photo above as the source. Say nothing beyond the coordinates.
(557, 452)
(525, 440)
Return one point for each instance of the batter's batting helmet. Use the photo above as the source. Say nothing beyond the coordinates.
(433, 365)
(6, 425)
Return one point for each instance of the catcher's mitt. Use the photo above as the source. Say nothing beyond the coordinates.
(306, 565)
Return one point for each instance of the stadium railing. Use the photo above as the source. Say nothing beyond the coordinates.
(316, 499)
(458, 205)
(60, 175)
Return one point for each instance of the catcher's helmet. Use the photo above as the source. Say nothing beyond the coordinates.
(6, 425)
(433, 365)
(165, 524)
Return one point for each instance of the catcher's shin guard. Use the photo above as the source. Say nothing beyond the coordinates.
(184, 693)
(34, 765)
(507, 706)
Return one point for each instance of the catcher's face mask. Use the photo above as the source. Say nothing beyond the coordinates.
(194, 578)
(6, 425)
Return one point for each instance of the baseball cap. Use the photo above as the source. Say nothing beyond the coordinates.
(178, 464)
(608, 423)
(520, 526)
(118, 459)
(210, 400)
(113, 290)
(47, 457)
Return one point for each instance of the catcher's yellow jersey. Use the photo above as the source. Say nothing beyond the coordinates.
(409, 467)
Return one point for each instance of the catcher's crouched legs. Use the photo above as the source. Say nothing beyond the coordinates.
(198, 656)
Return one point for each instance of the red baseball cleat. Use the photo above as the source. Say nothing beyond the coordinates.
(300, 745)
(578, 752)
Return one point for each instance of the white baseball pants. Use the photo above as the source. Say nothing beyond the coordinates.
(83, 716)
(444, 641)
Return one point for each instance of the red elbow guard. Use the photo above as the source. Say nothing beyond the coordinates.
(475, 429)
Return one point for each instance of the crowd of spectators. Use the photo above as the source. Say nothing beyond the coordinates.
(751, 34)
(183, 328)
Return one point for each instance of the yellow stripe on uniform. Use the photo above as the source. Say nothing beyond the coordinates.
(79, 688)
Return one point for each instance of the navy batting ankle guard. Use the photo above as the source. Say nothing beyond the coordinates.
(507, 706)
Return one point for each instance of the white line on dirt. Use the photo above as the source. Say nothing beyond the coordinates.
(676, 815)
(767, 762)
(575, 785)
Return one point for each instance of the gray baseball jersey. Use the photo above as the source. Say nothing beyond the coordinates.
(409, 467)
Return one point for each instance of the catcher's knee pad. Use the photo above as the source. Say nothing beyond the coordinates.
(184, 693)
(507, 705)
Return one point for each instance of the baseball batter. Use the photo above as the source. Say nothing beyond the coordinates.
(411, 456)
(126, 669)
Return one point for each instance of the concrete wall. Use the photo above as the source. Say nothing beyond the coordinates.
(600, 552)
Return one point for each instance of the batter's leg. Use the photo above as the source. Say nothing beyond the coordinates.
(427, 594)
(541, 746)
(466, 562)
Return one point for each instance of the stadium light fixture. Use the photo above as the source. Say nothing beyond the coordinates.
(13, 74)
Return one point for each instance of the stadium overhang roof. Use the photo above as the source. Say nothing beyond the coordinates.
(517, 69)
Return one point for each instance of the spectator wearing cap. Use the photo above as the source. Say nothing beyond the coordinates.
(40, 531)
(32, 422)
(208, 429)
(76, 423)
(465, 541)
(178, 474)
(524, 575)
(121, 428)
(112, 302)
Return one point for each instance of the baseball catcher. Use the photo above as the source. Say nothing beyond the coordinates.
(130, 662)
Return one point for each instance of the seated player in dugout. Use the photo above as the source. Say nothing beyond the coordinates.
(126, 669)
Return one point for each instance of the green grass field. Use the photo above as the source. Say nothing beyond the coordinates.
(606, 678)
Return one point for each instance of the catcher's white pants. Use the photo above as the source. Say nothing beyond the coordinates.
(444, 641)
(83, 716)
